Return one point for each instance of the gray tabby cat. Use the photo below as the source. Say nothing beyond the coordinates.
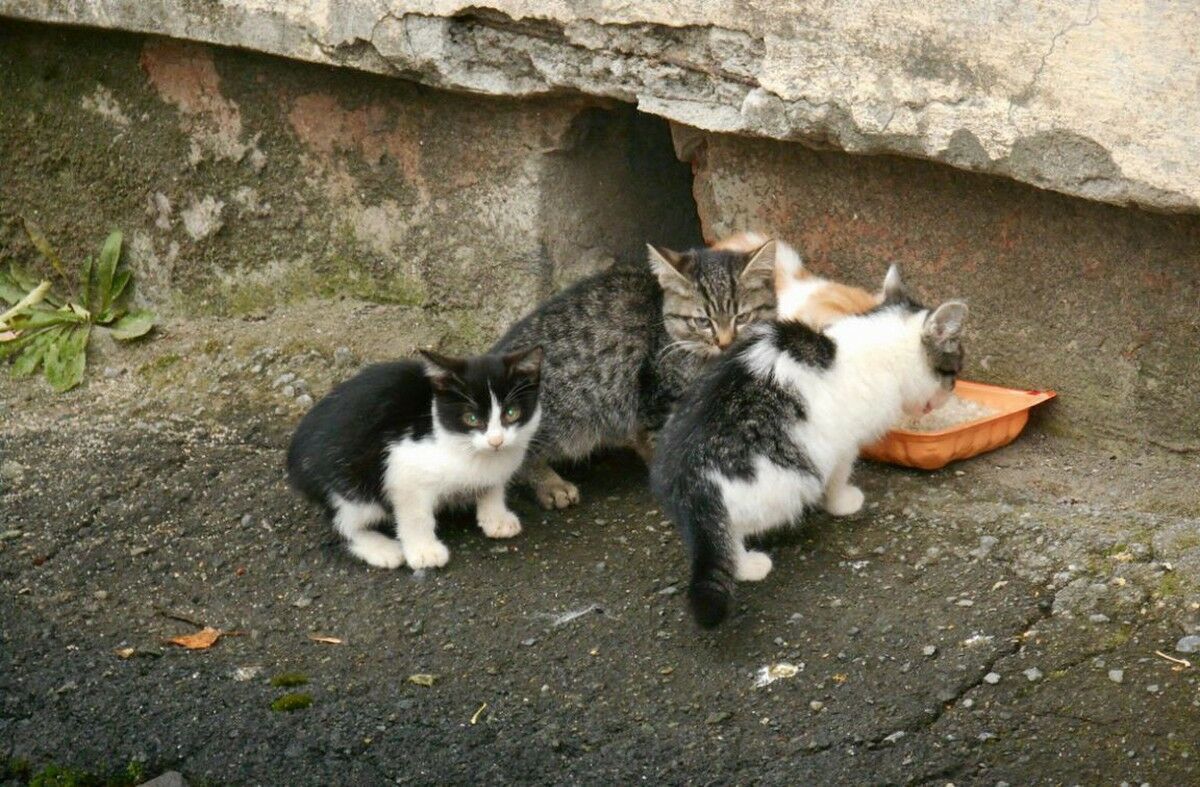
(622, 345)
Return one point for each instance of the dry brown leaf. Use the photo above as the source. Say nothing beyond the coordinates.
(203, 639)
(324, 640)
(124, 653)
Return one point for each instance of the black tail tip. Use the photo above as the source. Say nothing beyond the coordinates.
(711, 602)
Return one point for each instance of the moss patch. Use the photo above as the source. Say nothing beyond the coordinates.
(288, 680)
(160, 364)
(290, 702)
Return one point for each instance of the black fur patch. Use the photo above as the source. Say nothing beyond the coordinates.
(805, 345)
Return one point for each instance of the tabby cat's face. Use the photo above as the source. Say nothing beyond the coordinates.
(710, 296)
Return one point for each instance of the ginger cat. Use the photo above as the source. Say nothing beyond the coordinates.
(801, 294)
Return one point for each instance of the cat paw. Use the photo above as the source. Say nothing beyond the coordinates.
(848, 500)
(504, 525)
(556, 493)
(428, 554)
(381, 552)
(752, 566)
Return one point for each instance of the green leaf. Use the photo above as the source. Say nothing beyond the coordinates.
(85, 284)
(66, 359)
(30, 283)
(132, 325)
(10, 292)
(109, 256)
(39, 318)
(23, 279)
(120, 281)
(42, 245)
(29, 359)
(10, 347)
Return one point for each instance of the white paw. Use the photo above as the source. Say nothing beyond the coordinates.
(752, 566)
(504, 525)
(556, 493)
(427, 554)
(847, 501)
(381, 552)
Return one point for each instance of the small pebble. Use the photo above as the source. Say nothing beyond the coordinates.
(1188, 644)
(243, 674)
(343, 357)
(10, 535)
(1033, 674)
(111, 372)
(302, 602)
(1152, 688)
(992, 678)
(719, 717)
(816, 705)
(966, 602)
(1116, 675)
(304, 400)
(968, 703)
(247, 520)
(289, 391)
(1098, 617)
(100, 595)
(929, 650)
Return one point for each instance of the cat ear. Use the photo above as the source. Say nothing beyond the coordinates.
(442, 370)
(668, 267)
(945, 325)
(894, 290)
(527, 363)
(761, 263)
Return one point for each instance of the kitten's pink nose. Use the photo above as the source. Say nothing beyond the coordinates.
(495, 440)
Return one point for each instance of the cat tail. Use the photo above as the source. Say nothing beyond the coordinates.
(710, 593)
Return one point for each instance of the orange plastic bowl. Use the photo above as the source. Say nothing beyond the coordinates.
(931, 450)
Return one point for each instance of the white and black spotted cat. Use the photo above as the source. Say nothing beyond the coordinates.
(622, 345)
(406, 438)
(774, 427)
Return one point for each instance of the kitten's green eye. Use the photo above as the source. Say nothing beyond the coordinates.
(470, 419)
(511, 413)
(701, 322)
(743, 318)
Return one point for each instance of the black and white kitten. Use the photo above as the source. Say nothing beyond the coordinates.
(622, 345)
(775, 425)
(406, 438)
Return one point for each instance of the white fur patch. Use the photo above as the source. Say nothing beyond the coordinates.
(774, 497)
(447, 465)
(793, 296)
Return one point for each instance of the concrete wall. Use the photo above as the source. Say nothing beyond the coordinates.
(1096, 99)
(1098, 302)
(243, 182)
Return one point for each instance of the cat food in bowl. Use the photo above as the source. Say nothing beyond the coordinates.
(977, 419)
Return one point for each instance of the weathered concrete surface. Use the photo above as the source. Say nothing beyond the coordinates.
(1097, 302)
(1088, 98)
(160, 492)
(243, 181)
